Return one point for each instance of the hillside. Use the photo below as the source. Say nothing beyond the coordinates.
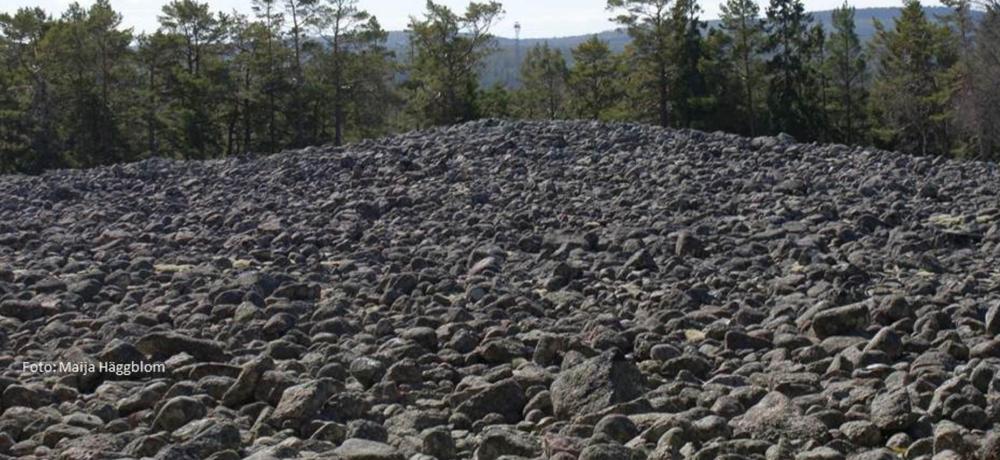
(503, 66)
(564, 290)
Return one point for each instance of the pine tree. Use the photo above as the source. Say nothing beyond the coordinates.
(725, 97)
(154, 57)
(846, 69)
(788, 76)
(912, 88)
(14, 141)
(301, 15)
(744, 31)
(342, 24)
(649, 24)
(975, 94)
(816, 90)
(354, 72)
(593, 81)
(94, 84)
(543, 75)
(245, 126)
(194, 88)
(495, 102)
(275, 84)
(983, 110)
(373, 99)
(687, 84)
(33, 142)
(448, 50)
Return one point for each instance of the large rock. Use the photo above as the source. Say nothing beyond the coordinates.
(243, 388)
(363, 449)
(595, 384)
(162, 345)
(300, 402)
(993, 318)
(845, 320)
(891, 411)
(24, 310)
(775, 417)
(498, 440)
(178, 411)
(505, 397)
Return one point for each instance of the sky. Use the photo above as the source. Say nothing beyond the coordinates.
(538, 18)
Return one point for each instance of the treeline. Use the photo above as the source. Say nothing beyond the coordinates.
(81, 90)
(922, 85)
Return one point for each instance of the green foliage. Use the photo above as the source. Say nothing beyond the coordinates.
(740, 47)
(594, 80)
(29, 139)
(846, 70)
(789, 45)
(976, 95)
(723, 103)
(649, 24)
(196, 79)
(66, 99)
(354, 70)
(495, 102)
(544, 76)
(912, 87)
(80, 90)
(688, 94)
(448, 48)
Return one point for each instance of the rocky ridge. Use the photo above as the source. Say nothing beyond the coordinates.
(506, 290)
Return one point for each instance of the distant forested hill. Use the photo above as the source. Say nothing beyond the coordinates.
(504, 67)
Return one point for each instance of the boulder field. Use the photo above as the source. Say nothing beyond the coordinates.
(506, 290)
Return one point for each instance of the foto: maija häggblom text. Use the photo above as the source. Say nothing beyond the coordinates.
(93, 367)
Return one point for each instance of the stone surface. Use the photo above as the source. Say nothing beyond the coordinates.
(595, 384)
(510, 290)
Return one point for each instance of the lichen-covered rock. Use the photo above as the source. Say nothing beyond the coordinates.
(595, 384)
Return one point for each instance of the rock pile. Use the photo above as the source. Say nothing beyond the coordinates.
(497, 290)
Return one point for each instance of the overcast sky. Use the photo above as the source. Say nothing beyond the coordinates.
(538, 18)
